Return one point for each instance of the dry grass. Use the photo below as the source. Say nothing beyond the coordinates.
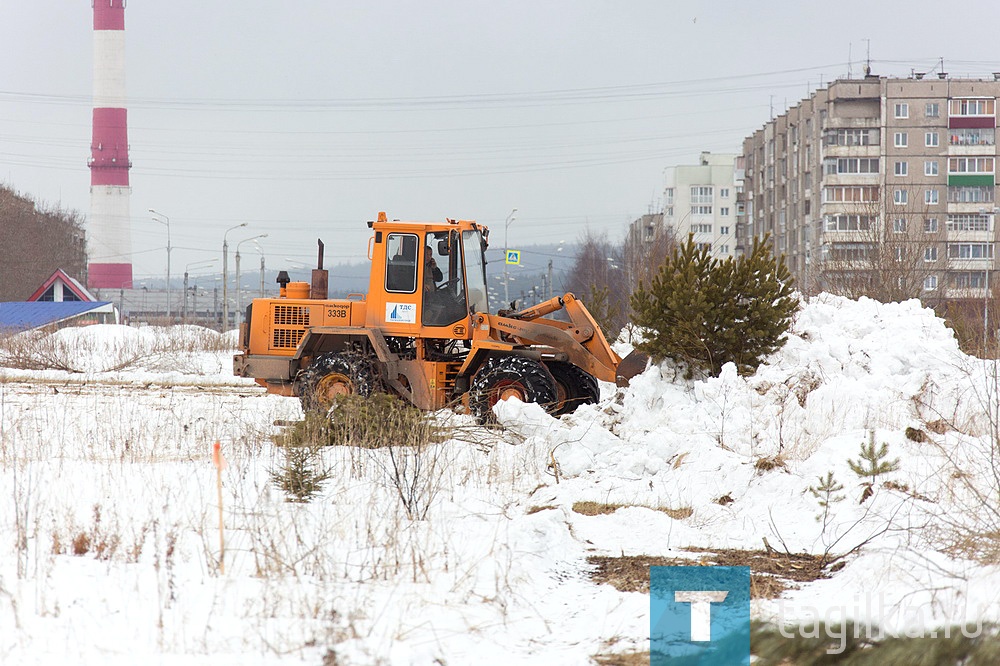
(595, 508)
(155, 349)
(622, 659)
(677, 514)
(604, 508)
(535, 509)
(769, 463)
(630, 573)
(770, 573)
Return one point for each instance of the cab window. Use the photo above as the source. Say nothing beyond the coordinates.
(401, 263)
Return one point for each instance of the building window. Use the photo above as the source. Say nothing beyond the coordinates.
(841, 165)
(701, 228)
(971, 107)
(900, 168)
(704, 246)
(970, 250)
(899, 225)
(932, 110)
(972, 136)
(724, 211)
(930, 225)
(724, 192)
(970, 194)
(930, 283)
(970, 279)
(847, 251)
(724, 249)
(930, 197)
(931, 139)
(668, 195)
(850, 193)
(968, 222)
(724, 231)
(930, 253)
(902, 110)
(900, 197)
(899, 139)
(970, 165)
(848, 222)
(701, 210)
(701, 194)
(931, 168)
(850, 137)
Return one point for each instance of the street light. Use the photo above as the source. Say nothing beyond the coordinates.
(225, 275)
(239, 290)
(196, 264)
(165, 221)
(506, 225)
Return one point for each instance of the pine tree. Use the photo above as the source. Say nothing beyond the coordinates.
(872, 463)
(705, 313)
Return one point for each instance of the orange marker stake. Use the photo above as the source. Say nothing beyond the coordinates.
(219, 463)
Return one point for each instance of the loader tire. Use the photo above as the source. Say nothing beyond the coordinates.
(503, 377)
(336, 374)
(574, 387)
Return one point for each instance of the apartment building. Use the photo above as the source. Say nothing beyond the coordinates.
(882, 181)
(702, 200)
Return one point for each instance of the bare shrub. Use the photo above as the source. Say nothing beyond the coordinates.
(402, 441)
(74, 350)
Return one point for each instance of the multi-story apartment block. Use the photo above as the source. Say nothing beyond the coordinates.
(702, 200)
(880, 183)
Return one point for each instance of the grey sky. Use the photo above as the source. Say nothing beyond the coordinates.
(305, 119)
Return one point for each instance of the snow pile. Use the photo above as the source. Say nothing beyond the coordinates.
(175, 355)
(109, 548)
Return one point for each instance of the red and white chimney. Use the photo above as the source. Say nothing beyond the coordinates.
(110, 238)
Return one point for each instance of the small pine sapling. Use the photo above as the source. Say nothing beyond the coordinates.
(826, 494)
(871, 464)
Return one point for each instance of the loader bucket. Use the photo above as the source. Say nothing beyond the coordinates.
(631, 365)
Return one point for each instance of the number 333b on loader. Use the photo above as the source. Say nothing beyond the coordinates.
(424, 332)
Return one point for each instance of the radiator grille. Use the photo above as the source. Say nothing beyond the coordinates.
(287, 338)
(291, 315)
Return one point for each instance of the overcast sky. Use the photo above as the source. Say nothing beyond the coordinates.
(305, 119)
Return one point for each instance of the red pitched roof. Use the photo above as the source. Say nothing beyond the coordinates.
(68, 283)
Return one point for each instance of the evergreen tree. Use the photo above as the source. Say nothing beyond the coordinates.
(705, 313)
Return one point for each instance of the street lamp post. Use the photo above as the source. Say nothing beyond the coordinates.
(165, 221)
(261, 250)
(506, 225)
(239, 290)
(225, 275)
(196, 264)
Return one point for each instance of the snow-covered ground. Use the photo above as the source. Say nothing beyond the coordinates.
(109, 531)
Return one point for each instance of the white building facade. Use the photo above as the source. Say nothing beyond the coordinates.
(701, 200)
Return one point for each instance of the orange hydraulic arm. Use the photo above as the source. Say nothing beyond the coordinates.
(580, 338)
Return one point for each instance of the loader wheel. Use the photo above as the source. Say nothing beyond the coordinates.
(574, 387)
(504, 377)
(333, 375)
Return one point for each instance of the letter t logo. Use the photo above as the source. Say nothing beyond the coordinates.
(701, 610)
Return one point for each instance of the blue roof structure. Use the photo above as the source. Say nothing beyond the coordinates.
(23, 316)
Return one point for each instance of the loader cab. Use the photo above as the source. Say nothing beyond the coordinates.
(432, 277)
(454, 282)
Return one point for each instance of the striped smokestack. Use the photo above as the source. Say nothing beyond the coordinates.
(110, 237)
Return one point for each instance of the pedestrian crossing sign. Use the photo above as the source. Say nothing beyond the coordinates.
(513, 257)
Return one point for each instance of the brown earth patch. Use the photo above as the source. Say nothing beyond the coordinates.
(622, 659)
(771, 572)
